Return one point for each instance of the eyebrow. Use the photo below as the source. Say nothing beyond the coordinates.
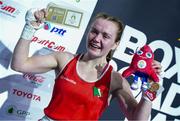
(94, 28)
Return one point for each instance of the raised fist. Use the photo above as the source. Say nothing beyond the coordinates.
(36, 17)
(40, 15)
(34, 20)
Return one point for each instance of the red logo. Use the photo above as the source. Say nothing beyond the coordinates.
(36, 78)
(150, 95)
(49, 44)
(7, 9)
(26, 95)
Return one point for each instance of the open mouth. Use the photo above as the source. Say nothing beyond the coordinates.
(93, 45)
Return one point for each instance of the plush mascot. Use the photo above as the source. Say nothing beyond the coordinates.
(141, 66)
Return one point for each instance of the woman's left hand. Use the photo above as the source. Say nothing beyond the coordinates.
(157, 67)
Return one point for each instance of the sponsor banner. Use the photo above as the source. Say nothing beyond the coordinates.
(64, 16)
(29, 96)
(28, 90)
(43, 82)
(67, 35)
(64, 27)
(12, 21)
(16, 111)
(10, 10)
(50, 44)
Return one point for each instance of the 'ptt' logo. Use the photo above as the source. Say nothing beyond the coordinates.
(59, 31)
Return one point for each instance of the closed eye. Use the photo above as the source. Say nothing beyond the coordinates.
(95, 31)
(106, 36)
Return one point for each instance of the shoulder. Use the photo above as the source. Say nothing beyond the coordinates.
(63, 58)
(65, 55)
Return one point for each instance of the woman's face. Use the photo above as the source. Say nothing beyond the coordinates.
(101, 37)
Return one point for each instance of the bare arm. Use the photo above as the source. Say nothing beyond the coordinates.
(39, 63)
(120, 88)
(129, 106)
(21, 62)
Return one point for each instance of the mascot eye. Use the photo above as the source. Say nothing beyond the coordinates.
(148, 55)
(139, 52)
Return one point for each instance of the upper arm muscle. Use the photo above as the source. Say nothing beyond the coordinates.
(40, 63)
(44, 63)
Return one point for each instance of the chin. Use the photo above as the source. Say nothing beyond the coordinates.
(93, 53)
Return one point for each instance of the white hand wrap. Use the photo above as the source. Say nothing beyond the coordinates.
(30, 15)
(29, 30)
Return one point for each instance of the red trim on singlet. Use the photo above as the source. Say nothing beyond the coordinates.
(73, 97)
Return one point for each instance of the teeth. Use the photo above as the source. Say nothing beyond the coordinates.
(94, 45)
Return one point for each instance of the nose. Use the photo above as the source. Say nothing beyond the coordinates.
(98, 37)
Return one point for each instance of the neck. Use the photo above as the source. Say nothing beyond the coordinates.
(94, 62)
